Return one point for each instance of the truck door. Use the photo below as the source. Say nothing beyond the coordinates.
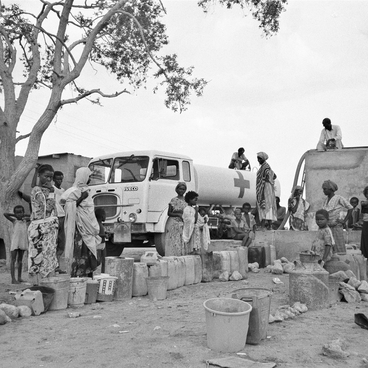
(164, 177)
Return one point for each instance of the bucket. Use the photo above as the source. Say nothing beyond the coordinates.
(157, 287)
(61, 286)
(47, 295)
(227, 324)
(106, 288)
(77, 292)
(260, 300)
(91, 291)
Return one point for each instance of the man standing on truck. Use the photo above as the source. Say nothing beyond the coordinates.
(328, 133)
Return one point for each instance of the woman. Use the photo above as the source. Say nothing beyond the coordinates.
(43, 229)
(191, 233)
(336, 205)
(239, 161)
(298, 208)
(175, 212)
(265, 191)
(81, 226)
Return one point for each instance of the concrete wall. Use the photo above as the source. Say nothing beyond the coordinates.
(348, 168)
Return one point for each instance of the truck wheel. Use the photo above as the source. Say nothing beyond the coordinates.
(161, 239)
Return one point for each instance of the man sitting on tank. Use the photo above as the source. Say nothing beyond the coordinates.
(239, 230)
(331, 136)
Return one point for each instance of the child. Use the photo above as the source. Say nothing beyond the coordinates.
(204, 231)
(101, 248)
(324, 243)
(191, 236)
(353, 216)
(364, 238)
(19, 242)
(250, 222)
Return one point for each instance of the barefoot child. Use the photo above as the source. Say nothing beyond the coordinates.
(204, 230)
(19, 242)
(324, 243)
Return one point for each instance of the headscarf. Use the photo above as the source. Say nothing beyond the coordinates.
(81, 177)
(263, 155)
(181, 184)
(330, 185)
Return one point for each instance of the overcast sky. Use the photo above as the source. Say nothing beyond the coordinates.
(264, 94)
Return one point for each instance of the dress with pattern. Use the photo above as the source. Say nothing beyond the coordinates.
(42, 233)
(175, 246)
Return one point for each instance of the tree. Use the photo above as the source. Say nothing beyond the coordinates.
(123, 36)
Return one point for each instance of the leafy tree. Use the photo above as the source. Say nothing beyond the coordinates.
(123, 36)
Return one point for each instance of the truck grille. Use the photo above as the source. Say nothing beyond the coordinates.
(108, 202)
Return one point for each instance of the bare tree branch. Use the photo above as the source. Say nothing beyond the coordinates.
(22, 137)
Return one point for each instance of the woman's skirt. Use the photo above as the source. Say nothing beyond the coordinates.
(364, 240)
(175, 245)
(338, 234)
(42, 238)
(84, 262)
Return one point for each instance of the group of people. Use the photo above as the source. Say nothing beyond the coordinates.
(188, 231)
(61, 221)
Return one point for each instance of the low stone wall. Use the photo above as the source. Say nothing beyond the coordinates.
(287, 243)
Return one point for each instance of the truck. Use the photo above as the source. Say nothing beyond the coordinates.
(135, 187)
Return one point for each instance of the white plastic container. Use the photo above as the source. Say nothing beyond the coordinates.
(140, 273)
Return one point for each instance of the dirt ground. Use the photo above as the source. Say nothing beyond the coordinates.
(172, 333)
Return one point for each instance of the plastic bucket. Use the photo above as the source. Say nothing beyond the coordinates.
(106, 288)
(61, 287)
(157, 287)
(91, 291)
(77, 292)
(227, 324)
(260, 300)
(47, 295)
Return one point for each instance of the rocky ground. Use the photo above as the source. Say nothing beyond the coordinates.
(172, 333)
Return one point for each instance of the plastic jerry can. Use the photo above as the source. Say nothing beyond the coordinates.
(32, 299)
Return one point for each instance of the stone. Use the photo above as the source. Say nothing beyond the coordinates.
(236, 276)
(341, 275)
(224, 276)
(277, 267)
(363, 287)
(24, 311)
(354, 282)
(350, 273)
(349, 293)
(288, 267)
(284, 260)
(3, 318)
(10, 310)
(364, 297)
(334, 349)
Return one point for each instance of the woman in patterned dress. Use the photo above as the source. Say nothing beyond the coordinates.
(175, 245)
(336, 206)
(43, 229)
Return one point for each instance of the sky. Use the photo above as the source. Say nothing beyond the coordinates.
(263, 94)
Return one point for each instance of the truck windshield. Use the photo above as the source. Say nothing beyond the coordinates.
(129, 169)
(100, 171)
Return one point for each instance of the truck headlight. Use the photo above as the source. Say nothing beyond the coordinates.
(132, 217)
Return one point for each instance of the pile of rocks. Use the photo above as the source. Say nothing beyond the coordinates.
(287, 311)
(280, 266)
(351, 289)
(10, 312)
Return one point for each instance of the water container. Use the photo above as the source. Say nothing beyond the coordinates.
(260, 300)
(234, 261)
(77, 292)
(362, 265)
(157, 287)
(32, 299)
(140, 272)
(181, 270)
(243, 261)
(160, 268)
(207, 266)
(227, 324)
(351, 262)
(189, 270)
(122, 268)
(221, 262)
(335, 265)
(47, 295)
(198, 272)
(150, 257)
(273, 253)
(172, 272)
(106, 288)
(61, 286)
(91, 291)
(257, 254)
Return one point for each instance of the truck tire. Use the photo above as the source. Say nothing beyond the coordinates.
(161, 239)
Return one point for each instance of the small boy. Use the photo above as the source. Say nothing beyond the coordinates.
(353, 216)
(19, 242)
(324, 243)
(101, 248)
(249, 220)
